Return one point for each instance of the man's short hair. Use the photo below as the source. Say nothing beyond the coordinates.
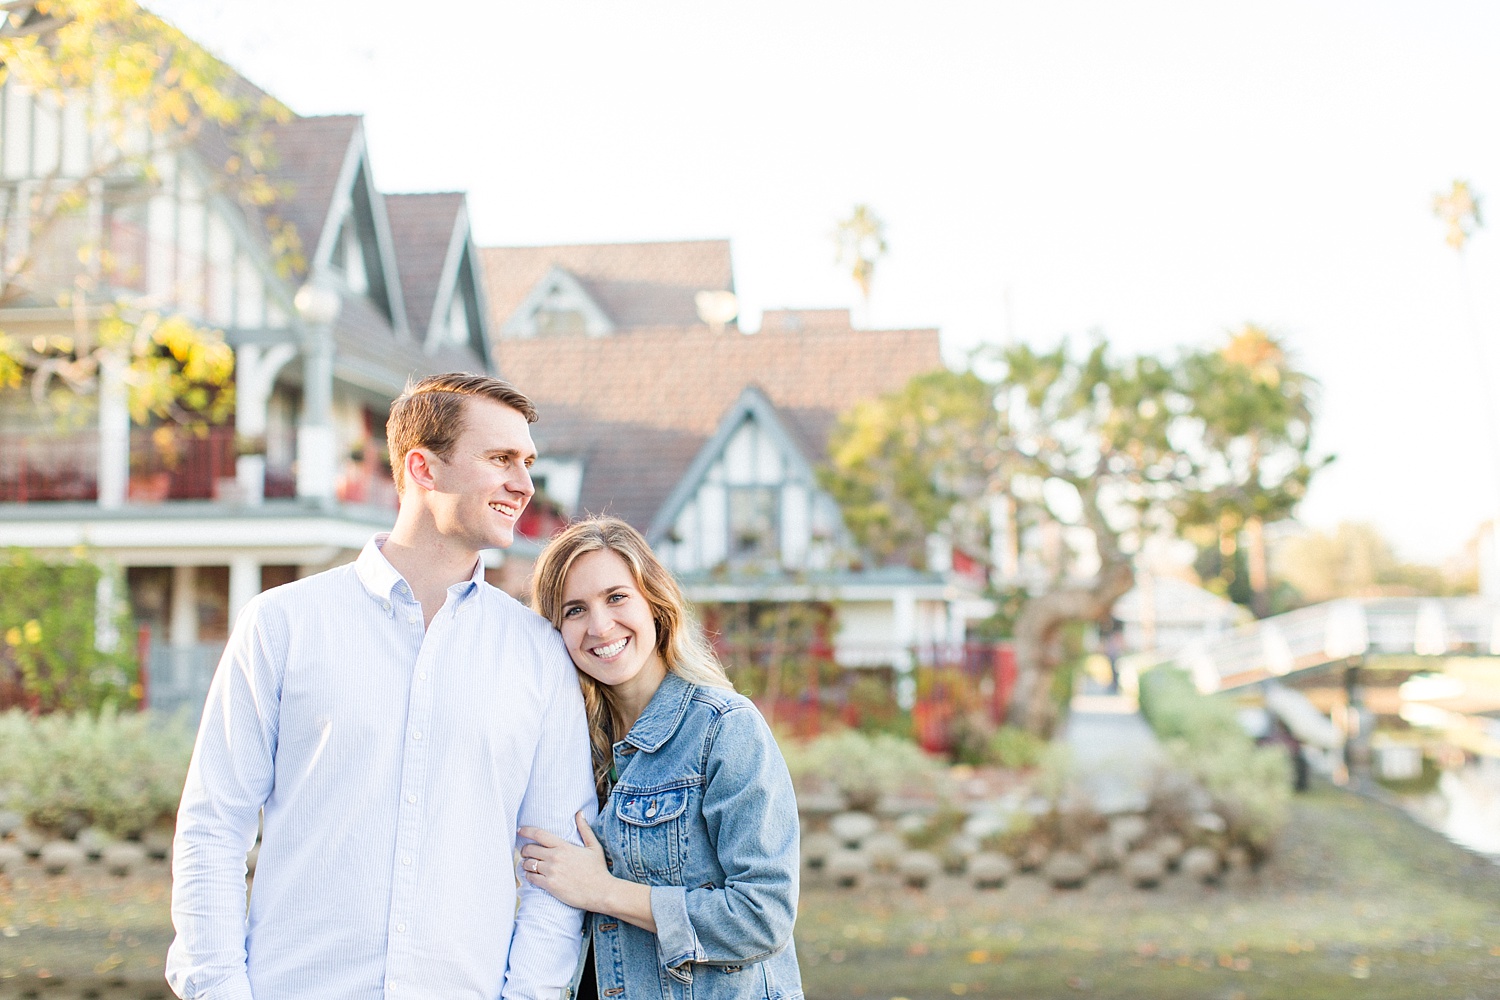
(429, 414)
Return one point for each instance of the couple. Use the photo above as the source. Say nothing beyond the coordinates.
(400, 728)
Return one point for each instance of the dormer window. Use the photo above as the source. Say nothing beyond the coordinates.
(559, 315)
(456, 326)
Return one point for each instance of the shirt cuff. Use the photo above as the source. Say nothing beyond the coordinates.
(234, 988)
(676, 942)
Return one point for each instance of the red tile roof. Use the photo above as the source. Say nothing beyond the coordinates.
(636, 284)
(685, 378)
(422, 230)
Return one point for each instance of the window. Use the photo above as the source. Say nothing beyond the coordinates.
(348, 257)
(754, 524)
(124, 244)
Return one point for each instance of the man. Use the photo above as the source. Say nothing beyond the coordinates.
(396, 719)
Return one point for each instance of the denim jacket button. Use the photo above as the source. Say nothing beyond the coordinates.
(651, 810)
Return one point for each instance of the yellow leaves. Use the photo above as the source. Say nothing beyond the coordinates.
(1458, 210)
(29, 634)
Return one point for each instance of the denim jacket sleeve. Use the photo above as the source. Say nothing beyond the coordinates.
(751, 814)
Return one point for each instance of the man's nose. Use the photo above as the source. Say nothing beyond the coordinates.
(521, 483)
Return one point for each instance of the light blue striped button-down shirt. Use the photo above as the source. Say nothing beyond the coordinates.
(393, 765)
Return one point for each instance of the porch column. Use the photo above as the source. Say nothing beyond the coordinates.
(244, 583)
(182, 628)
(318, 305)
(106, 596)
(903, 635)
(255, 371)
(114, 432)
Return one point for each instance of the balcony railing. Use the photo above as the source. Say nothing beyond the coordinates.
(41, 467)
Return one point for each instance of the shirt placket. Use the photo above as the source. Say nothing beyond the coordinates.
(401, 971)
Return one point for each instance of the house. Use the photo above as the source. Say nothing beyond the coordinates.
(192, 526)
(708, 439)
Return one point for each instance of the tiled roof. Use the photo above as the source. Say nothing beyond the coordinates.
(636, 284)
(629, 468)
(422, 229)
(685, 378)
(307, 155)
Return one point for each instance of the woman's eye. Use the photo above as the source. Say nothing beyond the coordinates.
(616, 598)
(571, 612)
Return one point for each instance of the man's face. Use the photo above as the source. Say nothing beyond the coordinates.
(483, 485)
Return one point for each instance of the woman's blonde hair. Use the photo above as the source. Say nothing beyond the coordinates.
(679, 640)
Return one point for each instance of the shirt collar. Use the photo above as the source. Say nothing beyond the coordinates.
(663, 714)
(379, 577)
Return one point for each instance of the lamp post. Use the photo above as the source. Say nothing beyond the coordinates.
(318, 307)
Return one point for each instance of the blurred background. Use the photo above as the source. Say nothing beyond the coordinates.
(1076, 424)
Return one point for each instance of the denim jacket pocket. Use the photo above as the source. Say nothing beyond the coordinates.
(652, 822)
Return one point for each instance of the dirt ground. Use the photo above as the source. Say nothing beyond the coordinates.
(1359, 901)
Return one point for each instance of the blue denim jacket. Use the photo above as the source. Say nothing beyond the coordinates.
(703, 812)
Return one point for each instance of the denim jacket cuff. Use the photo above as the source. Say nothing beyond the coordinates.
(676, 942)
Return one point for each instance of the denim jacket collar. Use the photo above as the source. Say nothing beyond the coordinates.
(662, 716)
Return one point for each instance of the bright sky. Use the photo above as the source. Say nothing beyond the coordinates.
(1157, 172)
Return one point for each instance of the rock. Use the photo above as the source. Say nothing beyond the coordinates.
(988, 870)
(816, 847)
(1128, 829)
(158, 844)
(884, 850)
(1201, 863)
(1101, 852)
(955, 854)
(1144, 869)
(92, 840)
(1170, 847)
(848, 868)
(11, 857)
(60, 856)
(1210, 822)
(9, 821)
(122, 857)
(819, 803)
(852, 827)
(918, 868)
(1033, 856)
(986, 824)
(28, 840)
(1066, 870)
(909, 823)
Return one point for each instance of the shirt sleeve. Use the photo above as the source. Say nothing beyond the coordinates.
(548, 933)
(228, 781)
(751, 813)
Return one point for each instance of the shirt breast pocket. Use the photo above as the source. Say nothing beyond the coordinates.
(653, 824)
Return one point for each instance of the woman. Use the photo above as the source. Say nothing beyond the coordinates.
(690, 873)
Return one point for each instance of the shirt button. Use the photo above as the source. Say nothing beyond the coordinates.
(412, 619)
(406, 861)
(400, 928)
(417, 735)
(411, 798)
(423, 675)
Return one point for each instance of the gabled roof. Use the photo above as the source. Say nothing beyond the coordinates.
(751, 405)
(307, 159)
(684, 379)
(636, 284)
(423, 229)
(628, 468)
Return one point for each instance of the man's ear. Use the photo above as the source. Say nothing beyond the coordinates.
(418, 463)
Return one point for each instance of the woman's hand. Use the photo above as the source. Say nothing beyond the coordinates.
(575, 875)
(580, 877)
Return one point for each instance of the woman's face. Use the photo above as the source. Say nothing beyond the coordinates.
(607, 624)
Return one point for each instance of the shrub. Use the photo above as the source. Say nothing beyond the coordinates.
(1251, 786)
(48, 659)
(123, 773)
(866, 766)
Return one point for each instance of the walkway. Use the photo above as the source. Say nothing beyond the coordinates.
(1115, 753)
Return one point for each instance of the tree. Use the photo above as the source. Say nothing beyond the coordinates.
(916, 461)
(145, 91)
(1356, 560)
(859, 243)
(1117, 447)
(1253, 461)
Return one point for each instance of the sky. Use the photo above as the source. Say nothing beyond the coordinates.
(1156, 173)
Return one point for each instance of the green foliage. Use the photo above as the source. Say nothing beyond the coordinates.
(1251, 786)
(123, 773)
(906, 464)
(48, 659)
(864, 767)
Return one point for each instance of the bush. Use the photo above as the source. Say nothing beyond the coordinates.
(48, 659)
(1251, 786)
(864, 767)
(122, 773)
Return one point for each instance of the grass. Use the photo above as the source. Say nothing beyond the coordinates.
(1358, 902)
